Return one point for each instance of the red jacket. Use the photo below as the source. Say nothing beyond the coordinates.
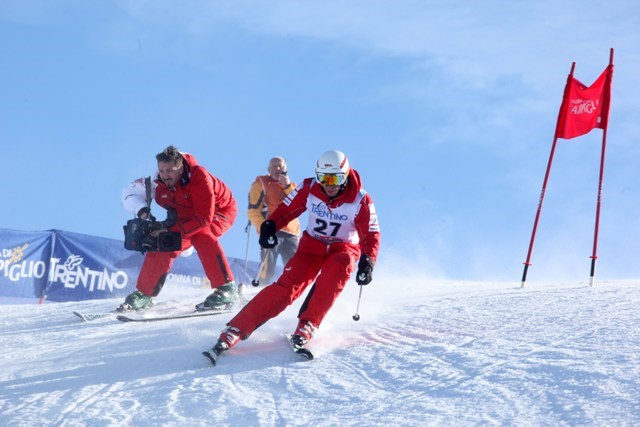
(198, 198)
(365, 220)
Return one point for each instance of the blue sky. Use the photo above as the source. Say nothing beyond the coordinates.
(447, 109)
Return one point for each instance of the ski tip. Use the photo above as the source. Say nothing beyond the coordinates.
(305, 353)
(300, 351)
(123, 318)
(81, 316)
(210, 356)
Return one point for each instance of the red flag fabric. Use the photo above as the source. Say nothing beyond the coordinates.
(584, 108)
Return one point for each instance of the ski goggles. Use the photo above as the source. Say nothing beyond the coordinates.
(331, 178)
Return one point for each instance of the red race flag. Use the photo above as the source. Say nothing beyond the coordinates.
(584, 108)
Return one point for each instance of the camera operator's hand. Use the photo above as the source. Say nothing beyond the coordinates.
(144, 213)
(156, 233)
(268, 238)
(172, 217)
(156, 226)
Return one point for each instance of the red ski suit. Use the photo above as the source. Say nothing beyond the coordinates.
(206, 209)
(339, 230)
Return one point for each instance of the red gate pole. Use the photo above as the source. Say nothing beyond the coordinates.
(594, 255)
(527, 263)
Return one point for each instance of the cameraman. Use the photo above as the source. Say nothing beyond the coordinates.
(205, 210)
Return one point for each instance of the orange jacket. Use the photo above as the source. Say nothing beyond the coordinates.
(264, 197)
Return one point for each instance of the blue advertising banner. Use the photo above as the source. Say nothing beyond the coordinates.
(24, 263)
(85, 267)
(64, 266)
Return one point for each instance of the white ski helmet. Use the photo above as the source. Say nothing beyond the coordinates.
(334, 163)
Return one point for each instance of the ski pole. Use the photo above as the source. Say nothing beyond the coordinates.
(256, 281)
(247, 230)
(356, 316)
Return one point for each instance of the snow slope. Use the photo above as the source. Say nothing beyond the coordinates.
(423, 353)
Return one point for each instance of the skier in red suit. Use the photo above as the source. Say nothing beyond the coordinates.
(342, 235)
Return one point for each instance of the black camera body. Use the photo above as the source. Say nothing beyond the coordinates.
(137, 235)
(166, 241)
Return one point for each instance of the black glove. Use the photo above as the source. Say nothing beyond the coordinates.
(268, 238)
(156, 225)
(172, 218)
(144, 211)
(365, 270)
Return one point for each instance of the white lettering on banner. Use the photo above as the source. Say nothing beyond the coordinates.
(71, 274)
(23, 270)
(582, 106)
(15, 269)
(182, 279)
(16, 254)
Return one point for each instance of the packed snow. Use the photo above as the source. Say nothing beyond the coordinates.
(423, 353)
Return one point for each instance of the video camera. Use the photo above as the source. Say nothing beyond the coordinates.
(137, 234)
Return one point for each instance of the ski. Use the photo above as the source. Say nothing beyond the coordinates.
(219, 348)
(299, 350)
(164, 310)
(196, 313)
(179, 312)
(88, 317)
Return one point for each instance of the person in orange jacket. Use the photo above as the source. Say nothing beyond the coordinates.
(265, 195)
(342, 235)
(204, 210)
